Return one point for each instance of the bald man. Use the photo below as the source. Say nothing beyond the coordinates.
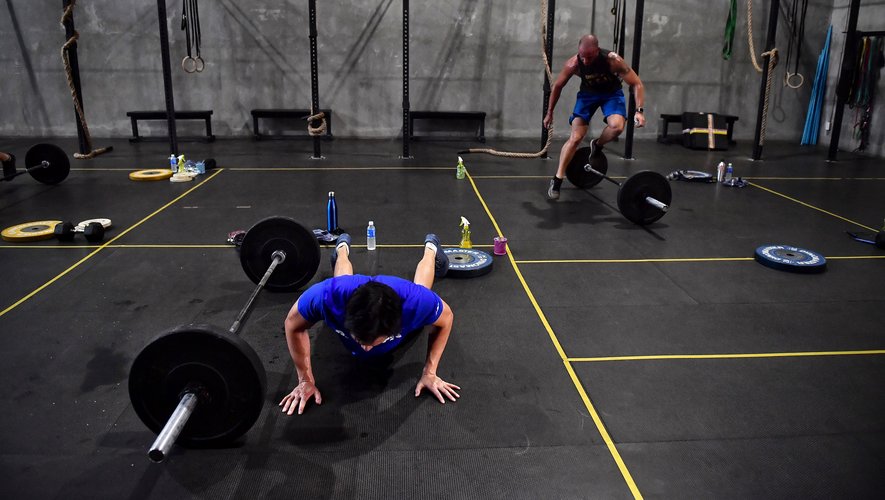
(601, 72)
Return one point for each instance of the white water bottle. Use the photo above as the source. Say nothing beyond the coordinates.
(370, 236)
(720, 172)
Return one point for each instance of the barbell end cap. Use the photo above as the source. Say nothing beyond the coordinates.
(663, 207)
(280, 255)
(589, 168)
(156, 456)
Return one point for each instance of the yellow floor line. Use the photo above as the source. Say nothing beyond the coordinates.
(653, 357)
(102, 247)
(597, 420)
(528, 177)
(633, 261)
(175, 245)
(330, 169)
(772, 191)
(689, 259)
(746, 178)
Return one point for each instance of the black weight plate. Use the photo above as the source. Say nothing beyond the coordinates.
(59, 165)
(791, 259)
(578, 175)
(280, 233)
(228, 373)
(632, 194)
(467, 263)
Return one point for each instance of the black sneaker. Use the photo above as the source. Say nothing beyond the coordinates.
(553, 189)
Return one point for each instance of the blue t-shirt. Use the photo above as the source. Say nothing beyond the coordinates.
(327, 301)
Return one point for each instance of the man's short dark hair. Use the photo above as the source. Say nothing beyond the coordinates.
(374, 310)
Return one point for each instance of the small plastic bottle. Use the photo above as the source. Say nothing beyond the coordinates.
(720, 171)
(173, 163)
(729, 173)
(461, 170)
(465, 234)
(370, 236)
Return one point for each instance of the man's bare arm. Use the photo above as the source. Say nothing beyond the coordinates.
(620, 68)
(568, 69)
(296, 327)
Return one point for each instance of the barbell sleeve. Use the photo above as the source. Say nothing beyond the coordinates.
(173, 427)
(657, 203)
(278, 257)
(592, 170)
(43, 164)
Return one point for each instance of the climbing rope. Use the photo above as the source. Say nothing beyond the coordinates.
(547, 70)
(772, 62)
(750, 36)
(68, 12)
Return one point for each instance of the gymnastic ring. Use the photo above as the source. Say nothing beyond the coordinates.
(789, 82)
(200, 64)
(188, 64)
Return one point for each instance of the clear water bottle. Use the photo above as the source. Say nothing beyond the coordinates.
(370, 236)
(173, 163)
(729, 173)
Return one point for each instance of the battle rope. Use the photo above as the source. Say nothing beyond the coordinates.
(68, 12)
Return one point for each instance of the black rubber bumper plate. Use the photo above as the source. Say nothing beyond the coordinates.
(467, 263)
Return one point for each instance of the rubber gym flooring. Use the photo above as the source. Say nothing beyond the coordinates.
(598, 360)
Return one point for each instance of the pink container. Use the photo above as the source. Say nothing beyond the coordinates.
(500, 245)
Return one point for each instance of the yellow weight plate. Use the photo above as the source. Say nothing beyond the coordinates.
(151, 175)
(30, 231)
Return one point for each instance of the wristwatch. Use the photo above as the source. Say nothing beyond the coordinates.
(640, 110)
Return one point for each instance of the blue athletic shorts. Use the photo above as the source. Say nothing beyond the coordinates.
(587, 103)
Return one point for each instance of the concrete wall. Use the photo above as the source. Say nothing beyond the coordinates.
(871, 18)
(466, 54)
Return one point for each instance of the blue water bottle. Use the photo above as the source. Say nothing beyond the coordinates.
(331, 213)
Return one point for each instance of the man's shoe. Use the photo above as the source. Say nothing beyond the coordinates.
(553, 189)
(343, 239)
(441, 264)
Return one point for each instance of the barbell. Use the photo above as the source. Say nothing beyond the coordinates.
(200, 385)
(643, 198)
(47, 163)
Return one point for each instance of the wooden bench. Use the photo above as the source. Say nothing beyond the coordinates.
(161, 115)
(477, 116)
(667, 119)
(288, 114)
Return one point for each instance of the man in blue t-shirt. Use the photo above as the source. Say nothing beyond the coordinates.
(372, 316)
